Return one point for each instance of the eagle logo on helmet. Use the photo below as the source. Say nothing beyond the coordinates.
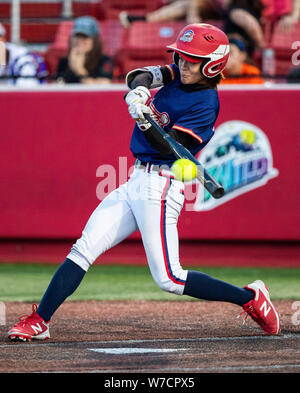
(187, 36)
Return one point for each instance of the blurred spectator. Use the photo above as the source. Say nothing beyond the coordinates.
(294, 76)
(86, 62)
(193, 11)
(2, 32)
(239, 16)
(243, 17)
(21, 68)
(288, 20)
(239, 68)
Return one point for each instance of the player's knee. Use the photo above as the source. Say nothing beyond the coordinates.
(171, 286)
(80, 256)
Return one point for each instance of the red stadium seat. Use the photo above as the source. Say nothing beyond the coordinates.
(5, 10)
(111, 34)
(283, 68)
(285, 47)
(282, 42)
(53, 9)
(93, 8)
(35, 32)
(146, 44)
(34, 9)
(138, 7)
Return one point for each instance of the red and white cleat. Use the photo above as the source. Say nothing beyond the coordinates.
(261, 309)
(30, 327)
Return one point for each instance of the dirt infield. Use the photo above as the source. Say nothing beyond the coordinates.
(147, 337)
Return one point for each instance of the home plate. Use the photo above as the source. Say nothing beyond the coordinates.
(128, 351)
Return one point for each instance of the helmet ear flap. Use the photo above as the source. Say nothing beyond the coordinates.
(176, 58)
(203, 64)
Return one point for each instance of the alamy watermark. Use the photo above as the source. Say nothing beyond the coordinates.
(112, 178)
(2, 314)
(296, 54)
(295, 318)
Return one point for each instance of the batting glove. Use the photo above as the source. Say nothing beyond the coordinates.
(139, 95)
(138, 100)
(144, 124)
(137, 111)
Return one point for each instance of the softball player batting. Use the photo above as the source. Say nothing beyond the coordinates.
(187, 107)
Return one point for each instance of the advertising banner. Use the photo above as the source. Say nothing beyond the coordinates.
(62, 152)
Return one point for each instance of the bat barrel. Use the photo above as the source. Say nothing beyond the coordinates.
(212, 186)
(218, 192)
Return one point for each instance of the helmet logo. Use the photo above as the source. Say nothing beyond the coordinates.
(187, 36)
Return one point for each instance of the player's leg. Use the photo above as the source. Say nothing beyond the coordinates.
(157, 219)
(160, 238)
(157, 215)
(110, 223)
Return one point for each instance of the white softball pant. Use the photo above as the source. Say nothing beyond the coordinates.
(150, 202)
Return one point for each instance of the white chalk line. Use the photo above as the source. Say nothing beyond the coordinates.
(134, 350)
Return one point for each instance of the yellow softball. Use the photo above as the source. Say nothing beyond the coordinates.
(184, 170)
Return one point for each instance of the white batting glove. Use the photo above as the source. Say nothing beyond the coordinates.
(138, 100)
(139, 95)
(137, 111)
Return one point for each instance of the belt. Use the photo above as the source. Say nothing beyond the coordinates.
(162, 170)
(148, 167)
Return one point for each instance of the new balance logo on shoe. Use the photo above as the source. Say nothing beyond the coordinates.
(36, 328)
(265, 307)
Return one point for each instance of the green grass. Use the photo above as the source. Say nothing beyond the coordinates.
(28, 282)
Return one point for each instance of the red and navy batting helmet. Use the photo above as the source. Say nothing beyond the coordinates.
(201, 42)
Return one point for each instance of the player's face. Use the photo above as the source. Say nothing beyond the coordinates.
(189, 72)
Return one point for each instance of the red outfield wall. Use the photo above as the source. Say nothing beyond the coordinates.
(58, 149)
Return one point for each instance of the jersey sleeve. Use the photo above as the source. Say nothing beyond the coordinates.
(198, 123)
(169, 73)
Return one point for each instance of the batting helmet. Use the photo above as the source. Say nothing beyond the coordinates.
(201, 42)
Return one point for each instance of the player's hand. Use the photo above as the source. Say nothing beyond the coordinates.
(139, 95)
(137, 110)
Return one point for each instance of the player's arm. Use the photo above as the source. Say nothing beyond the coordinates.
(140, 81)
(151, 77)
(158, 143)
(191, 129)
(137, 105)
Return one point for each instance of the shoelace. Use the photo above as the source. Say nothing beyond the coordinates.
(250, 309)
(246, 316)
(26, 319)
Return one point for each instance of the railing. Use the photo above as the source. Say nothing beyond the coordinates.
(16, 15)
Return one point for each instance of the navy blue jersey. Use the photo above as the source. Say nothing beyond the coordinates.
(190, 111)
